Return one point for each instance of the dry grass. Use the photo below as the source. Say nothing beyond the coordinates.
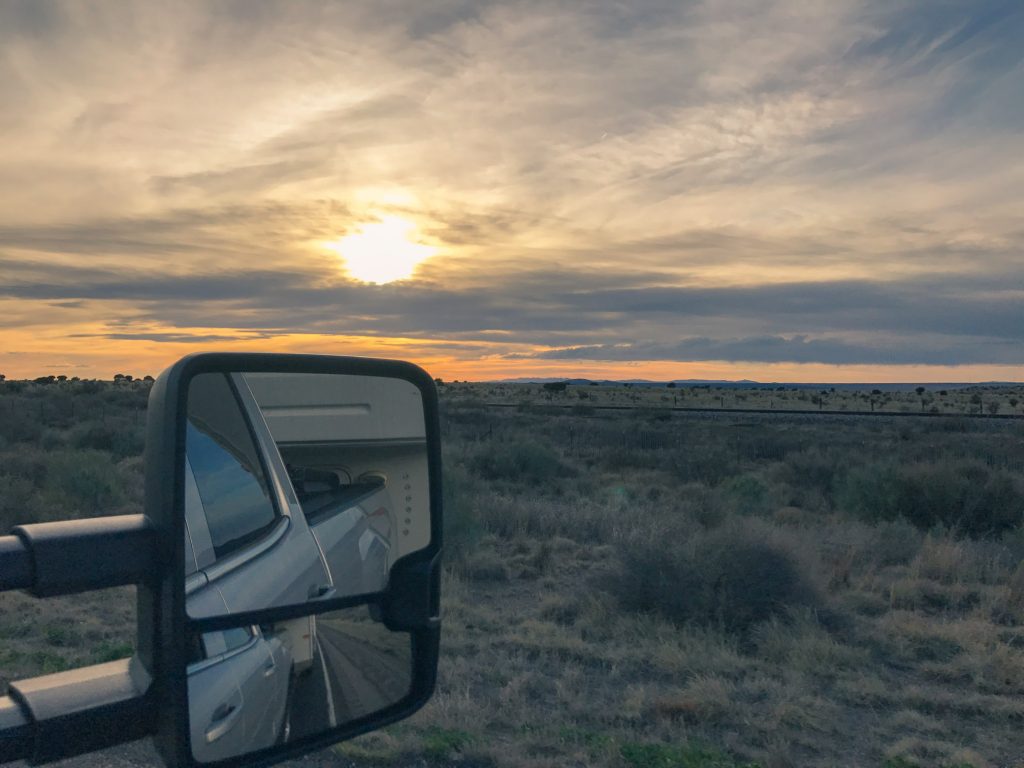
(903, 646)
(38, 637)
(1006, 400)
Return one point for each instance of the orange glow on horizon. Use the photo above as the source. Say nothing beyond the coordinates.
(31, 354)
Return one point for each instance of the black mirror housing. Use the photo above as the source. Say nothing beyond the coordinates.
(409, 603)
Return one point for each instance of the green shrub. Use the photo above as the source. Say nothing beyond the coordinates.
(442, 743)
(88, 481)
(51, 439)
(732, 578)
(26, 464)
(93, 435)
(120, 437)
(748, 495)
(48, 662)
(18, 502)
(20, 425)
(61, 635)
(895, 542)
(964, 495)
(129, 442)
(708, 464)
(702, 504)
(111, 651)
(811, 469)
(521, 461)
(461, 526)
(485, 566)
(870, 492)
(638, 755)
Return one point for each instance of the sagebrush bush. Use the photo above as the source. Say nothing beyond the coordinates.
(749, 495)
(485, 566)
(731, 578)
(120, 437)
(20, 426)
(710, 464)
(94, 435)
(27, 464)
(519, 461)
(700, 503)
(962, 495)
(18, 503)
(895, 542)
(461, 524)
(88, 481)
(811, 469)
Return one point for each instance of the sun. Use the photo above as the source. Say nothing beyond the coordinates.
(382, 251)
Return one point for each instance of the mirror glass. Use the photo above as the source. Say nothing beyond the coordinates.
(256, 686)
(299, 487)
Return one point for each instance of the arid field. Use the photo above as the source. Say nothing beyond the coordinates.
(646, 587)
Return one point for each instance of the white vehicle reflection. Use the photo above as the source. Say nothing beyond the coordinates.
(239, 684)
(262, 533)
(245, 695)
(293, 517)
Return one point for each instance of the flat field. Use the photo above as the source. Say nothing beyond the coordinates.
(645, 587)
(932, 401)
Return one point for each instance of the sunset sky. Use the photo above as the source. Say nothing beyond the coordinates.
(782, 191)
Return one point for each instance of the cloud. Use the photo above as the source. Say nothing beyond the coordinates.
(171, 338)
(799, 349)
(612, 316)
(833, 182)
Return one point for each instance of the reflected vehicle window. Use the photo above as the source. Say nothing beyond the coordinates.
(236, 637)
(232, 485)
(209, 645)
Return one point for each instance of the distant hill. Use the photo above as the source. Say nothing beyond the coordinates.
(749, 384)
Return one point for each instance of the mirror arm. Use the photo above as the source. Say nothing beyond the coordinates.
(70, 556)
(69, 713)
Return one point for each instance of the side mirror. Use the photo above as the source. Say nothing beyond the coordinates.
(298, 500)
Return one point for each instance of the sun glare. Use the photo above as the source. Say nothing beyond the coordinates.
(382, 251)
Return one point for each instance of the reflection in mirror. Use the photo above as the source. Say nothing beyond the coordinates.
(252, 687)
(300, 487)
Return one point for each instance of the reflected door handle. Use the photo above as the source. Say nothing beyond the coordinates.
(269, 668)
(224, 717)
(321, 591)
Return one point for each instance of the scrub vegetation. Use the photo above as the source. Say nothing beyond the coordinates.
(645, 587)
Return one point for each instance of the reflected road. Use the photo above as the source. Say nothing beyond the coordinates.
(350, 678)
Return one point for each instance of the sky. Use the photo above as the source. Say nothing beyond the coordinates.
(784, 191)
